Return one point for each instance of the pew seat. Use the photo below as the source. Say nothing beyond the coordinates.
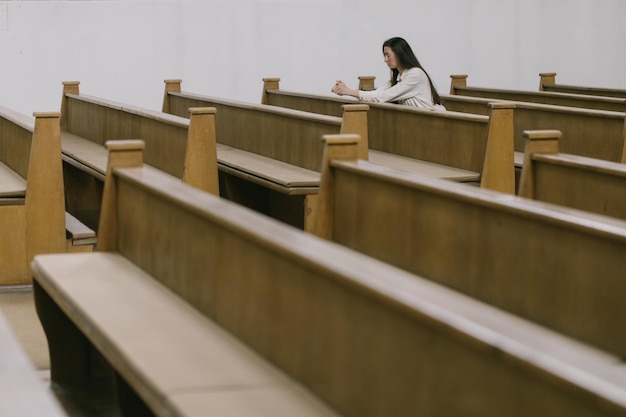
(84, 154)
(271, 173)
(11, 183)
(422, 167)
(293, 180)
(207, 371)
(78, 237)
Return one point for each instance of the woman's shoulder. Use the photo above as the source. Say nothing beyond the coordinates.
(414, 72)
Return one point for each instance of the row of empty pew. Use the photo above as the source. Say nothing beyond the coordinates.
(419, 283)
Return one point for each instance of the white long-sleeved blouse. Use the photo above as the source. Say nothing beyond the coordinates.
(412, 89)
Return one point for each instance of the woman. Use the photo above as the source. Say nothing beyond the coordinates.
(409, 85)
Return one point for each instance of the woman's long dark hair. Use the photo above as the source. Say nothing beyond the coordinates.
(407, 59)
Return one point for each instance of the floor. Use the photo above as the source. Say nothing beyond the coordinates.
(17, 304)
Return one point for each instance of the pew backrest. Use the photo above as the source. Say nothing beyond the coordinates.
(458, 86)
(286, 135)
(579, 182)
(586, 132)
(183, 147)
(548, 82)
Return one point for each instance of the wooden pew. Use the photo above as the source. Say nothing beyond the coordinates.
(570, 180)
(586, 132)
(31, 192)
(182, 147)
(592, 133)
(22, 392)
(562, 268)
(480, 146)
(269, 158)
(458, 86)
(302, 327)
(547, 82)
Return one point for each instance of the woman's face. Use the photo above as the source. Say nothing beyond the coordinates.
(390, 58)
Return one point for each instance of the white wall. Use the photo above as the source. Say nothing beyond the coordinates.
(123, 50)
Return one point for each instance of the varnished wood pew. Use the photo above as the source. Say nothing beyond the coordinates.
(269, 158)
(32, 218)
(182, 147)
(458, 86)
(299, 327)
(480, 146)
(592, 133)
(586, 132)
(547, 82)
(562, 268)
(22, 392)
(570, 180)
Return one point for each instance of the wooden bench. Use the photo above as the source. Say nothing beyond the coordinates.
(31, 192)
(560, 267)
(299, 327)
(574, 181)
(597, 134)
(23, 393)
(587, 132)
(547, 82)
(269, 158)
(182, 147)
(448, 145)
(458, 86)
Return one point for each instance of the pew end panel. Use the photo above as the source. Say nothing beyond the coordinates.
(31, 192)
(544, 141)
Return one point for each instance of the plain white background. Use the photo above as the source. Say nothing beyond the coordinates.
(123, 50)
